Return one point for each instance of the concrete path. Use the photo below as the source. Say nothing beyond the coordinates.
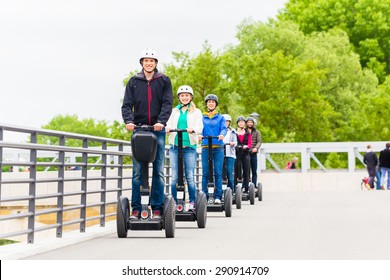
(285, 226)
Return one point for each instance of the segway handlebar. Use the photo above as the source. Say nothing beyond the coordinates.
(180, 130)
(145, 127)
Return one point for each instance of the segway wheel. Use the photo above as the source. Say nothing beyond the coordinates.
(252, 193)
(201, 210)
(228, 203)
(169, 219)
(260, 191)
(238, 197)
(122, 215)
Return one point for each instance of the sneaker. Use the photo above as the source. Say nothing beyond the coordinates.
(135, 215)
(217, 201)
(191, 206)
(156, 215)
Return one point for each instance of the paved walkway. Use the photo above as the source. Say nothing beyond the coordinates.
(285, 226)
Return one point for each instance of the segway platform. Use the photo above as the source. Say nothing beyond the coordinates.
(141, 225)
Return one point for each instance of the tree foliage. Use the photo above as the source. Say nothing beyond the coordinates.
(367, 23)
(71, 123)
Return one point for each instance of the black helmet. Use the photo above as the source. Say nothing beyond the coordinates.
(240, 118)
(251, 119)
(211, 97)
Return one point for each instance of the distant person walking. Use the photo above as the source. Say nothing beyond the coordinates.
(384, 164)
(371, 161)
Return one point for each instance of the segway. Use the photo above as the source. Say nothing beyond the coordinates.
(199, 213)
(238, 175)
(236, 199)
(144, 148)
(226, 201)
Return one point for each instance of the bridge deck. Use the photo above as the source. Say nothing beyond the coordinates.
(286, 225)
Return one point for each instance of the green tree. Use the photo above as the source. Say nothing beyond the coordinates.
(71, 123)
(367, 23)
(202, 73)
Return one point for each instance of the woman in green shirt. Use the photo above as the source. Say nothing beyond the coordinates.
(185, 116)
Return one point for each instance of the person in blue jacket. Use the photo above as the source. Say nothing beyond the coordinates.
(214, 124)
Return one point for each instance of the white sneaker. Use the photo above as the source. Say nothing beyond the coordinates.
(217, 201)
(191, 206)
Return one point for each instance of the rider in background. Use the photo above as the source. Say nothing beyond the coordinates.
(245, 143)
(256, 143)
(213, 125)
(231, 140)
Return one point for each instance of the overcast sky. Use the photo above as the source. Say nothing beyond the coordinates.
(70, 57)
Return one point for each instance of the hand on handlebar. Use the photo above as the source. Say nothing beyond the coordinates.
(130, 126)
(158, 127)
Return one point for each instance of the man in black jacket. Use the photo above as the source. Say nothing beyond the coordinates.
(371, 161)
(384, 164)
(148, 100)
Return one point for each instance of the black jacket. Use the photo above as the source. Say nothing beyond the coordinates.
(370, 159)
(384, 158)
(147, 102)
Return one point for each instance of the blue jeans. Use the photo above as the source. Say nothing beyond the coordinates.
(254, 168)
(230, 174)
(157, 193)
(189, 160)
(378, 179)
(218, 165)
(385, 170)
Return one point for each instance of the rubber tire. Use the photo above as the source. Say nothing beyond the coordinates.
(238, 197)
(260, 191)
(169, 219)
(228, 203)
(122, 215)
(252, 194)
(201, 210)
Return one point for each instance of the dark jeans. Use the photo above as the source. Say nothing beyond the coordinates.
(254, 168)
(242, 170)
(218, 166)
(157, 193)
(371, 175)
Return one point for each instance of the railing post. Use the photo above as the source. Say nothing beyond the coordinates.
(103, 186)
(60, 187)
(351, 160)
(32, 189)
(84, 175)
(305, 160)
(167, 171)
(198, 177)
(120, 172)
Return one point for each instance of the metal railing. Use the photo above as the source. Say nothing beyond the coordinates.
(116, 150)
(110, 173)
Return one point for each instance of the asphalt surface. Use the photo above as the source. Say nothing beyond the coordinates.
(351, 225)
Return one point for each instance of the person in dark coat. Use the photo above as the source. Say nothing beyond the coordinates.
(371, 161)
(384, 164)
(148, 101)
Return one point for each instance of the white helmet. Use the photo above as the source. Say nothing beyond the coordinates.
(227, 117)
(148, 53)
(185, 89)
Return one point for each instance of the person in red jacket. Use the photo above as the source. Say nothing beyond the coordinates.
(148, 101)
